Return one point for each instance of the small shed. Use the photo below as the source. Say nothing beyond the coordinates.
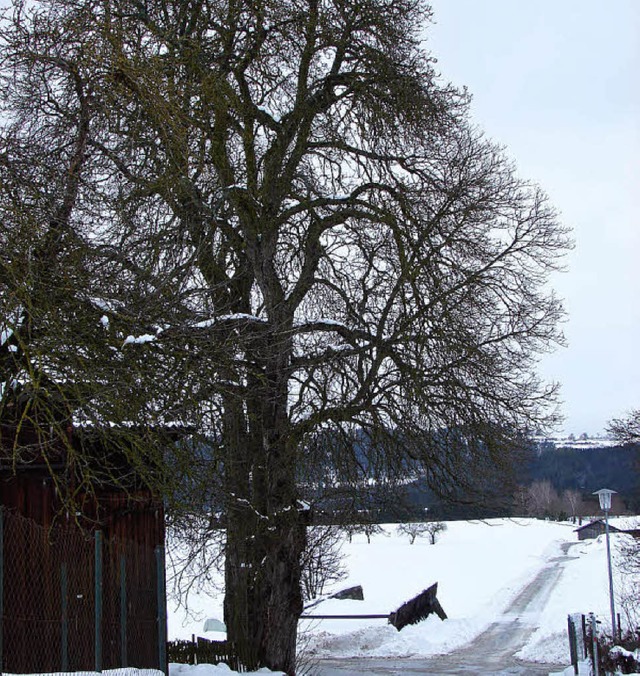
(79, 591)
(593, 529)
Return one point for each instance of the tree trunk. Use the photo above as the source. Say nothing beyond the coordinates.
(263, 598)
(266, 536)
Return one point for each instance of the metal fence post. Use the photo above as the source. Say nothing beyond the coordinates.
(123, 610)
(572, 644)
(98, 601)
(594, 641)
(1, 583)
(162, 609)
(65, 618)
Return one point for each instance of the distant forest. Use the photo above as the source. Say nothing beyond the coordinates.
(545, 481)
(588, 470)
(572, 470)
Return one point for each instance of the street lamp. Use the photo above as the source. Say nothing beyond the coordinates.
(604, 496)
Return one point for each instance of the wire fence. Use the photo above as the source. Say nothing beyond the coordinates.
(73, 600)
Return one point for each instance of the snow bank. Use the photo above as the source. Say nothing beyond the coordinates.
(480, 567)
(108, 672)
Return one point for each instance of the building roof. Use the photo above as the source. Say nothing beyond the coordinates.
(613, 529)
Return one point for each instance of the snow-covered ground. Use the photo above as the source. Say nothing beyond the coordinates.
(480, 567)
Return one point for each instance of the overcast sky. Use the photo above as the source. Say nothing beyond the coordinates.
(557, 83)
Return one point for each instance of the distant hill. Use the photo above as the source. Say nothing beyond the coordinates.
(583, 442)
(588, 469)
(583, 464)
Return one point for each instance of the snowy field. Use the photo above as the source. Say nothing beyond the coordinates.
(480, 567)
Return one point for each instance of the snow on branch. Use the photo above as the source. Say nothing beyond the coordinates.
(5, 334)
(139, 340)
(238, 316)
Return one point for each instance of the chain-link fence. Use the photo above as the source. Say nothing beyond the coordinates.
(72, 600)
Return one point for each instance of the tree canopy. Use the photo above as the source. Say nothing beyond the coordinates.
(626, 430)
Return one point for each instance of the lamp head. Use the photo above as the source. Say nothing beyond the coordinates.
(604, 496)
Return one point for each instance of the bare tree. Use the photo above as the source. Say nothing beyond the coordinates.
(542, 499)
(369, 529)
(413, 529)
(419, 529)
(521, 500)
(573, 503)
(434, 528)
(626, 430)
(628, 591)
(61, 338)
(322, 560)
(300, 235)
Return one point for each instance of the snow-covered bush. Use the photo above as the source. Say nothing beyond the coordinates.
(621, 657)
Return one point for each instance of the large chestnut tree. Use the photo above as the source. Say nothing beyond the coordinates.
(290, 235)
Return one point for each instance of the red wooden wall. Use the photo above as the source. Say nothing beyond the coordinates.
(42, 539)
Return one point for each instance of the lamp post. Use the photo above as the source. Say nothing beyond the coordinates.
(604, 496)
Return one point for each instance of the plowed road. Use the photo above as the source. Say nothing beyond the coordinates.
(490, 654)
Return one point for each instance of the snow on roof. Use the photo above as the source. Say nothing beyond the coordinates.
(617, 523)
(625, 522)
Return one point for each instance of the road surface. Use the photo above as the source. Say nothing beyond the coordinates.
(490, 654)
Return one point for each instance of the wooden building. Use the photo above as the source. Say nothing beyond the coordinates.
(593, 529)
(78, 590)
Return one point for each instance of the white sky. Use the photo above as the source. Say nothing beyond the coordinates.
(557, 83)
